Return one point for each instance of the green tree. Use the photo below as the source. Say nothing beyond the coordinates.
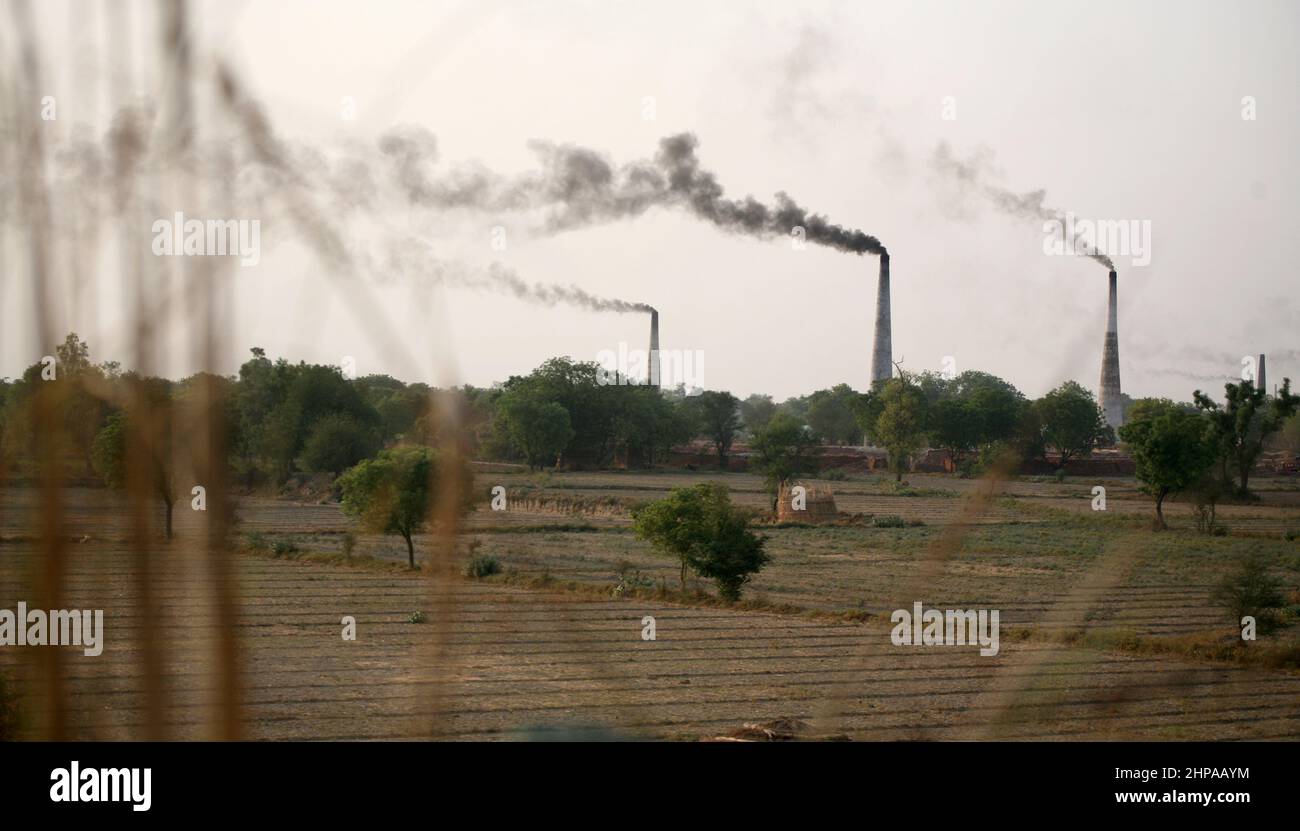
(972, 412)
(394, 492)
(719, 417)
(338, 441)
(290, 402)
(704, 531)
(783, 450)
(538, 429)
(1171, 448)
(832, 415)
(901, 425)
(1072, 423)
(131, 438)
(1244, 422)
(756, 411)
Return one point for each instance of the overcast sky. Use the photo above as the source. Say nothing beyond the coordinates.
(1120, 111)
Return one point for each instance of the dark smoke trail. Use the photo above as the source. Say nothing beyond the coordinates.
(576, 186)
(413, 260)
(973, 175)
(700, 192)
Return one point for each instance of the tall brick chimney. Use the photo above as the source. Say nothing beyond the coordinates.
(1263, 379)
(882, 352)
(1112, 404)
(652, 357)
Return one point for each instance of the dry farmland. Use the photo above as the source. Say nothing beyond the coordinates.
(1108, 630)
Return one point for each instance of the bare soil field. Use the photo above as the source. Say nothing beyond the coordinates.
(547, 646)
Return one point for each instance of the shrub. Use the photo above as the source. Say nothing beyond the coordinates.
(891, 521)
(349, 544)
(484, 565)
(415, 617)
(283, 548)
(1251, 591)
(630, 579)
(256, 541)
(835, 475)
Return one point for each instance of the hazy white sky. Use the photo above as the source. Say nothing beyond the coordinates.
(1120, 110)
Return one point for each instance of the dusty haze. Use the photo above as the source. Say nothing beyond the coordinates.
(1114, 110)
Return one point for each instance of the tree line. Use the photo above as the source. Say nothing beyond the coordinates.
(283, 418)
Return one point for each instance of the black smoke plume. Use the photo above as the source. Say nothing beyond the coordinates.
(973, 175)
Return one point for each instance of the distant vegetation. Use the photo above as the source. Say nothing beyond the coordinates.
(284, 419)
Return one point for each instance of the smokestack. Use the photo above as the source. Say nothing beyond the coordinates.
(1112, 404)
(1263, 380)
(652, 357)
(882, 352)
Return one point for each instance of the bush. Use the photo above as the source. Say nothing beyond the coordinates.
(256, 541)
(630, 579)
(349, 544)
(484, 565)
(891, 521)
(1251, 591)
(283, 548)
(835, 475)
(415, 617)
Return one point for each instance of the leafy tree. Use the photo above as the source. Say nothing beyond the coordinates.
(1247, 418)
(901, 426)
(972, 412)
(719, 416)
(1290, 435)
(756, 411)
(313, 392)
(539, 429)
(704, 531)
(394, 492)
(109, 452)
(783, 450)
(1171, 448)
(1072, 422)
(142, 436)
(832, 414)
(80, 406)
(337, 442)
